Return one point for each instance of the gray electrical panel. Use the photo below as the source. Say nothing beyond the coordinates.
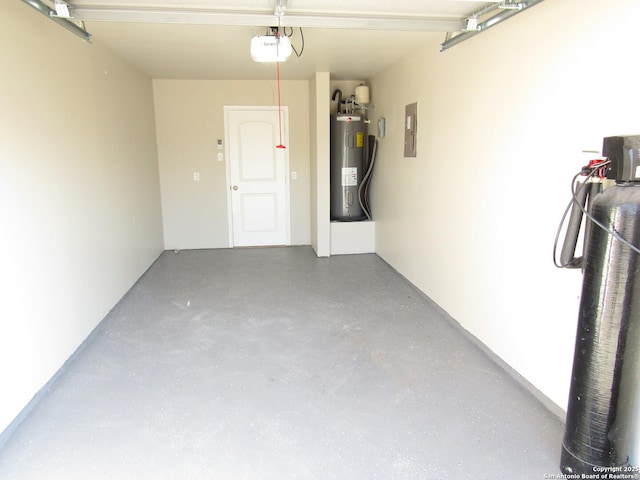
(410, 129)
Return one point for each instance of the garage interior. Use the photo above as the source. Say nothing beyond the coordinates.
(458, 306)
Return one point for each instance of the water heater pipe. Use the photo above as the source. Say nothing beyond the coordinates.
(364, 185)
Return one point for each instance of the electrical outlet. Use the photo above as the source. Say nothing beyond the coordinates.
(196, 176)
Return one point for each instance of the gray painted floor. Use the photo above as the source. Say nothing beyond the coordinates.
(274, 364)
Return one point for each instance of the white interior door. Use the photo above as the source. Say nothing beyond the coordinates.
(257, 176)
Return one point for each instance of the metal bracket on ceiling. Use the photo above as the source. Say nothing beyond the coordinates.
(62, 9)
(281, 6)
(59, 16)
(478, 22)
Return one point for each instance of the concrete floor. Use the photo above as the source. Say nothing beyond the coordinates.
(274, 364)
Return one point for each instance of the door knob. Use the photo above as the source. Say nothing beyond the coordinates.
(235, 187)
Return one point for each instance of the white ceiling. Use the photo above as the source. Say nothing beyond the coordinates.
(209, 39)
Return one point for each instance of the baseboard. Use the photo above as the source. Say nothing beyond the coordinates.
(546, 402)
(7, 433)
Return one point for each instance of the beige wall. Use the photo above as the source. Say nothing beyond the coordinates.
(502, 121)
(79, 195)
(320, 156)
(189, 121)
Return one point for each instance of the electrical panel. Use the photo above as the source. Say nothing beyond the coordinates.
(410, 129)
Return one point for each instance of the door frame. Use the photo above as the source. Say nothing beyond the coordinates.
(227, 159)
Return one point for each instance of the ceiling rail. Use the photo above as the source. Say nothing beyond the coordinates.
(254, 18)
(62, 21)
(508, 10)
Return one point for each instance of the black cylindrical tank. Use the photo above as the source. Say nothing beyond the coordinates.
(348, 136)
(602, 399)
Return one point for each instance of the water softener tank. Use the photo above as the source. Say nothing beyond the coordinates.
(602, 414)
(347, 164)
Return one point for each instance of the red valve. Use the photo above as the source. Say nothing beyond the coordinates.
(593, 165)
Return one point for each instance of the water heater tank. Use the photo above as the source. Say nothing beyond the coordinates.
(348, 136)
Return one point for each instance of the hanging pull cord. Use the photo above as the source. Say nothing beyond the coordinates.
(280, 145)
